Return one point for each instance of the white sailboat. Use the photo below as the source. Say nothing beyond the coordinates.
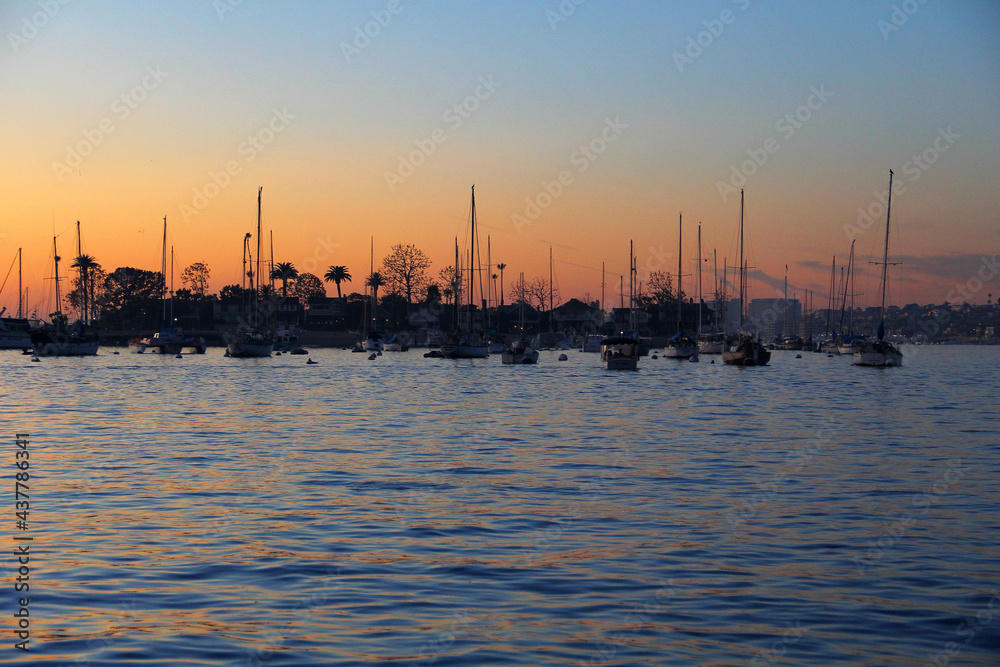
(250, 340)
(881, 352)
(713, 343)
(746, 349)
(681, 345)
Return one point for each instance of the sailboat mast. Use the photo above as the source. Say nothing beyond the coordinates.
(270, 272)
(680, 245)
(885, 258)
(742, 269)
(55, 256)
(171, 286)
(83, 277)
(699, 279)
(256, 297)
(715, 281)
(551, 288)
(631, 281)
(20, 289)
(371, 272)
(829, 298)
(602, 288)
(163, 272)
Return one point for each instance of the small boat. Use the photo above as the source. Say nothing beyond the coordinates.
(593, 343)
(285, 339)
(169, 341)
(374, 342)
(394, 344)
(620, 353)
(881, 352)
(299, 351)
(465, 346)
(553, 340)
(519, 352)
(746, 349)
(249, 341)
(712, 343)
(15, 333)
(468, 343)
(680, 346)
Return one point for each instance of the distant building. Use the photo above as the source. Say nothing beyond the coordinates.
(577, 316)
(775, 318)
(323, 312)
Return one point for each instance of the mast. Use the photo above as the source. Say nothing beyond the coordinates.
(742, 267)
(829, 298)
(885, 261)
(270, 271)
(715, 280)
(699, 279)
(631, 282)
(20, 289)
(256, 296)
(847, 280)
(602, 289)
(784, 310)
(171, 321)
(371, 272)
(680, 247)
(551, 288)
(163, 273)
(456, 285)
(55, 256)
(472, 248)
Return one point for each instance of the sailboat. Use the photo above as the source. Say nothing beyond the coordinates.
(746, 349)
(250, 340)
(468, 343)
(621, 353)
(881, 352)
(681, 345)
(849, 343)
(520, 351)
(60, 339)
(15, 332)
(168, 340)
(713, 343)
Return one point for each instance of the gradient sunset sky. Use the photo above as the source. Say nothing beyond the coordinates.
(119, 113)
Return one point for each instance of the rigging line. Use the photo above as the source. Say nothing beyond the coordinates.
(8, 274)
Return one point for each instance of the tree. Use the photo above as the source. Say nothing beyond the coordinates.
(231, 292)
(195, 278)
(661, 287)
(86, 264)
(537, 293)
(452, 281)
(433, 293)
(375, 281)
(405, 270)
(337, 274)
(95, 287)
(307, 285)
(131, 294)
(284, 271)
(501, 267)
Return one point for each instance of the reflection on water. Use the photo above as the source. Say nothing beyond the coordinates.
(440, 512)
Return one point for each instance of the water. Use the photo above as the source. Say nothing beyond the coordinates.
(416, 511)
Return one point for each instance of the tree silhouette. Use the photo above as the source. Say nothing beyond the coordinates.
(284, 271)
(337, 274)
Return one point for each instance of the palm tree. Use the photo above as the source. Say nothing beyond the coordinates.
(284, 271)
(337, 274)
(86, 264)
(501, 267)
(375, 281)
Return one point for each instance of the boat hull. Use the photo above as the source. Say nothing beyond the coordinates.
(868, 356)
(68, 349)
(621, 364)
(452, 351)
(711, 347)
(746, 354)
(680, 351)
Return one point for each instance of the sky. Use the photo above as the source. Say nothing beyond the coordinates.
(583, 124)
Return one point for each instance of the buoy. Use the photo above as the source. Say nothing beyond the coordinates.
(116, 352)
(655, 357)
(829, 355)
(178, 356)
(373, 357)
(310, 361)
(713, 361)
(277, 354)
(563, 357)
(379, 353)
(35, 359)
(798, 356)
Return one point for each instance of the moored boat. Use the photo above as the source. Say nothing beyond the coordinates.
(620, 353)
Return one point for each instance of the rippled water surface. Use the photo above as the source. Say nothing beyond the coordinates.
(407, 510)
